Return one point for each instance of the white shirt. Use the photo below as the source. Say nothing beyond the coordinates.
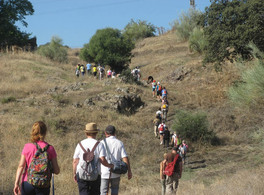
(117, 149)
(89, 143)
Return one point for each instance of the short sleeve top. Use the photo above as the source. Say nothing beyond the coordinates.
(30, 149)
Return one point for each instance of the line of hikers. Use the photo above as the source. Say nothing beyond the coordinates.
(172, 163)
(97, 165)
(94, 70)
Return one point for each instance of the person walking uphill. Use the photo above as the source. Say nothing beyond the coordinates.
(86, 162)
(115, 152)
(36, 156)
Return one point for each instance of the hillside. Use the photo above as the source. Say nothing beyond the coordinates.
(33, 88)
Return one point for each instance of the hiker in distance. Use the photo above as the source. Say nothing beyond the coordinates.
(86, 162)
(35, 157)
(115, 151)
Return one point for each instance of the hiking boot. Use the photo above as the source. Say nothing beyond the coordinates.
(161, 143)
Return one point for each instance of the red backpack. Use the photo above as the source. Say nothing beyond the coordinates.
(169, 169)
(161, 127)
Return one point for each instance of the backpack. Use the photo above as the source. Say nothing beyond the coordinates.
(40, 169)
(88, 170)
(101, 70)
(169, 169)
(161, 128)
(159, 88)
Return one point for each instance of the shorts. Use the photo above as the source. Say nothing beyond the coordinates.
(159, 93)
(153, 89)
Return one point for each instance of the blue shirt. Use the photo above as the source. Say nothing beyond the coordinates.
(88, 66)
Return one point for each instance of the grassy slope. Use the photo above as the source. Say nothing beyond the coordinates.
(29, 77)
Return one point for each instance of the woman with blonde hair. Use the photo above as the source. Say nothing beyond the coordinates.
(38, 135)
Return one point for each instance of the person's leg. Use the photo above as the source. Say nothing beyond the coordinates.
(95, 186)
(104, 186)
(163, 187)
(27, 189)
(83, 186)
(169, 185)
(115, 186)
(45, 191)
(155, 130)
(175, 178)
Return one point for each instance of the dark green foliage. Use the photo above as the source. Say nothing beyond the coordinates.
(193, 126)
(54, 50)
(139, 30)
(108, 47)
(230, 25)
(12, 11)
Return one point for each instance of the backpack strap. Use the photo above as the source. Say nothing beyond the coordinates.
(88, 148)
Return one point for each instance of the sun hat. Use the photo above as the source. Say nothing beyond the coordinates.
(158, 83)
(91, 128)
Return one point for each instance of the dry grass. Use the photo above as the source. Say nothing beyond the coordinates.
(28, 78)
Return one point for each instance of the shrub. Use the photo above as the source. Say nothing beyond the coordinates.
(54, 50)
(186, 23)
(8, 99)
(127, 77)
(139, 30)
(194, 127)
(197, 40)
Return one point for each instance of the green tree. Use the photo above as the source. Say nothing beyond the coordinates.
(230, 25)
(108, 47)
(54, 50)
(139, 30)
(186, 23)
(12, 11)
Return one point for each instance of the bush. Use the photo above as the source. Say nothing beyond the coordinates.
(127, 77)
(185, 25)
(249, 91)
(8, 99)
(54, 50)
(139, 30)
(197, 40)
(194, 127)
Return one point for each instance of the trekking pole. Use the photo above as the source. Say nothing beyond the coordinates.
(53, 190)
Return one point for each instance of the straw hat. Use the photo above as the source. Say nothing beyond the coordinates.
(91, 128)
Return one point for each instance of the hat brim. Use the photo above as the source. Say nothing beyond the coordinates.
(92, 131)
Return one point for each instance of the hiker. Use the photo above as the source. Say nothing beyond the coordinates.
(77, 72)
(162, 176)
(159, 89)
(173, 172)
(183, 150)
(85, 173)
(109, 73)
(115, 151)
(82, 69)
(94, 71)
(164, 92)
(156, 122)
(88, 67)
(175, 140)
(159, 113)
(27, 164)
(101, 72)
(166, 137)
(164, 112)
(161, 128)
(154, 85)
(113, 74)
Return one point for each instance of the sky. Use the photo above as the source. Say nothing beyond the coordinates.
(76, 21)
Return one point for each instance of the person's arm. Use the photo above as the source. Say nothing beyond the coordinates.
(129, 172)
(74, 167)
(55, 166)
(105, 163)
(161, 170)
(21, 166)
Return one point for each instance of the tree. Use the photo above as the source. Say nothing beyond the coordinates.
(230, 25)
(108, 47)
(139, 30)
(54, 50)
(12, 11)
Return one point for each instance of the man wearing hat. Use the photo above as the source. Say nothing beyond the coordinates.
(89, 187)
(117, 151)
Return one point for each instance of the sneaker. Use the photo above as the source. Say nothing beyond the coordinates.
(161, 143)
